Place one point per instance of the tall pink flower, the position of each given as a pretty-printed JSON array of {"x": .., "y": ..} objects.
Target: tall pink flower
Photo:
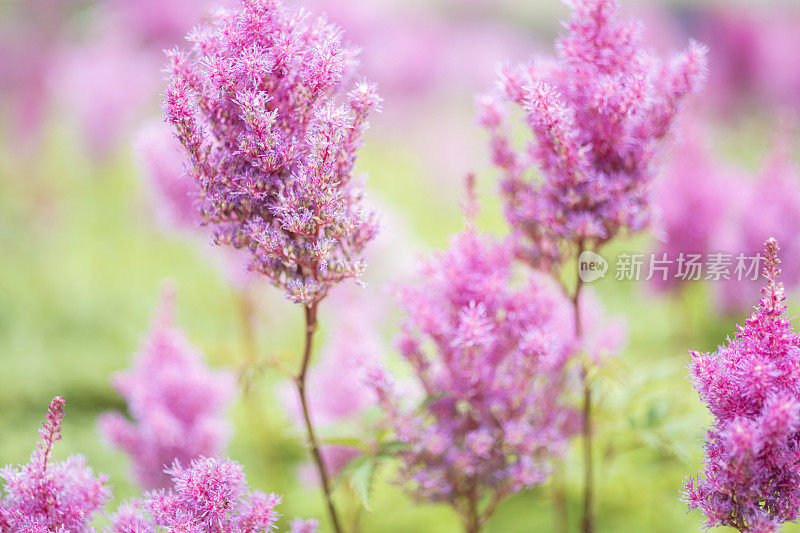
[
  {"x": 255, "y": 105},
  {"x": 751, "y": 478},
  {"x": 176, "y": 403},
  {"x": 491, "y": 359},
  {"x": 597, "y": 115},
  {"x": 44, "y": 495}
]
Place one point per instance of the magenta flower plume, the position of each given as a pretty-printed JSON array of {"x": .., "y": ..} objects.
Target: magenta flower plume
[
  {"x": 177, "y": 404},
  {"x": 44, "y": 495},
  {"x": 210, "y": 495},
  {"x": 696, "y": 198},
  {"x": 751, "y": 479},
  {"x": 257, "y": 105},
  {"x": 777, "y": 196},
  {"x": 491, "y": 361},
  {"x": 597, "y": 114}
]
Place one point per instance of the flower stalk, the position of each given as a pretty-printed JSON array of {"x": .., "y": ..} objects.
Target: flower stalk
[{"x": 300, "y": 383}]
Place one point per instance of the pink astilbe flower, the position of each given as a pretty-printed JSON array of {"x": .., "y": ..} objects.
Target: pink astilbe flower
[
  {"x": 491, "y": 359},
  {"x": 43, "y": 495},
  {"x": 750, "y": 47},
  {"x": 776, "y": 192},
  {"x": 695, "y": 198},
  {"x": 161, "y": 159},
  {"x": 103, "y": 85},
  {"x": 751, "y": 479},
  {"x": 256, "y": 104},
  {"x": 210, "y": 495},
  {"x": 597, "y": 115},
  {"x": 177, "y": 403},
  {"x": 30, "y": 36}
]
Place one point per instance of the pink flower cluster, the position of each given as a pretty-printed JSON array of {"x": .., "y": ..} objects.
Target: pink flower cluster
[
  {"x": 255, "y": 105},
  {"x": 751, "y": 479},
  {"x": 751, "y": 46},
  {"x": 177, "y": 403},
  {"x": 695, "y": 198},
  {"x": 775, "y": 191},
  {"x": 706, "y": 207},
  {"x": 491, "y": 360},
  {"x": 597, "y": 114},
  {"x": 211, "y": 495},
  {"x": 44, "y": 496}
]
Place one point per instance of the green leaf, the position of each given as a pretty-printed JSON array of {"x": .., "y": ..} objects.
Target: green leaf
[
  {"x": 362, "y": 480},
  {"x": 389, "y": 450},
  {"x": 349, "y": 442}
]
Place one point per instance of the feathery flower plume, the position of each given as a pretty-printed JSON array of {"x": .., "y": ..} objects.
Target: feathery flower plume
[
  {"x": 751, "y": 479},
  {"x": 271, "y": 138},
  {"x": 176, "y": 402},
  {"x": 775, "y": 192},
  {"x": 597, "y": 114},
  {"x": 491, "y": 360},
  {"x": 43, "y": 495},
  {"x": 210, "y": 495},
  {"x": 696, "y": 197},
  {"x": 256, "y": 105}
]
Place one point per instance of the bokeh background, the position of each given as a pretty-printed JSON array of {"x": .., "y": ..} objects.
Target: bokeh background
[{"x": 87, "y": 240}]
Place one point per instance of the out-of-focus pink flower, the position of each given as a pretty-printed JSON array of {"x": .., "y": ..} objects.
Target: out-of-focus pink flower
[
  {"x": 695, "y": 199},
  {"x": 751, "y": 54},
  {"x": 103, "y": 85},
  {"x": 161, "y": 160},
  {"x": 603, "y": 336},
  {"x": 299, "y": 525},
  {"x": 30, "y": 35},
  {"x": 177, "y": 403},
  {"x": 155, "y": 23},
  {"x": 772, "y": 209},
  {"x": 338, "y": 392}
]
